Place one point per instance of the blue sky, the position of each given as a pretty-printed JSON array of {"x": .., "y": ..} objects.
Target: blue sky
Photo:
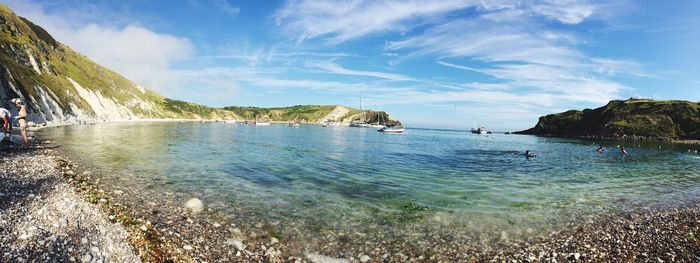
[{"x": 444, "y": 64}]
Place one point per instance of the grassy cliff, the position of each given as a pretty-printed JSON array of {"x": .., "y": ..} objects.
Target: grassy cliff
[{"x": 633, "y": 118}]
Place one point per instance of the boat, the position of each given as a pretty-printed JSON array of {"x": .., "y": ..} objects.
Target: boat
[
  {"x": 294, "y": 124},
  {"x": 386, "y": 129},
  {"x": 230, "y": 121},
  {"x": 392, "y": 130},
  {"x": 480, "y": 130},
  {"x": 262, "y": 123},
  {"x": 359, "y": 124}
]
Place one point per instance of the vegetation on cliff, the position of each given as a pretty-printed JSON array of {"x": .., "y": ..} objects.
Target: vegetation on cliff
[{"x": 632, "y": 118}]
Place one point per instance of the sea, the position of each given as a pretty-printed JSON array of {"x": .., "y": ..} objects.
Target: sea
[{"x": 321, "y": 186}]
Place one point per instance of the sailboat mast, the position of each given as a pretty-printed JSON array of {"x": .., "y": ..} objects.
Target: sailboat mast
[{"x": 361, "y": 105}]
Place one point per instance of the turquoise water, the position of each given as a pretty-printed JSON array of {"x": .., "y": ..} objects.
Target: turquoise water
[{"x": 311, "y": 182}]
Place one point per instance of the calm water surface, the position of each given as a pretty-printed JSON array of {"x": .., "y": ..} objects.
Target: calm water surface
[{"x": 312, "y": 180}]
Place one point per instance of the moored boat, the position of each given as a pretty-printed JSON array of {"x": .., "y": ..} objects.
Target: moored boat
[
  {"x": 480, "y": 130},
  {"x": 392, "y": 130}
]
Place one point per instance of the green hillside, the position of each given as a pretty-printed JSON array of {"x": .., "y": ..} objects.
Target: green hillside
[{"x": 633, "y": 119}]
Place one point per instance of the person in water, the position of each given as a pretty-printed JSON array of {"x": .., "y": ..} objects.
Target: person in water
[
  {"x": 623, "y": 151},
  {"x": 600, "y": 149},
  {"x": 22, "y": 119},
  {"x": 6, "y": 117},
  {"x": 529, "y": 154}
]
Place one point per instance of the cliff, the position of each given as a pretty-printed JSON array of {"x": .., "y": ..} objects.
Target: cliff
[
  {"x": 628, "y": 119},
  {"x": 312, "y": 114}
]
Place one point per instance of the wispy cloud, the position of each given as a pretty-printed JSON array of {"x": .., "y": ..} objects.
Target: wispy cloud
[
  {"x": 521, "y": 60},
  {"x": 228, "y": 7},
  {"x": 340, "y": 21},
  {"x": 334, "y": 68}
]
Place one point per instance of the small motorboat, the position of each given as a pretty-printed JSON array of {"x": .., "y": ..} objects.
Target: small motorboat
[
  {"x": 392, "y": 130},
  {"x": 480, "y": 130}
]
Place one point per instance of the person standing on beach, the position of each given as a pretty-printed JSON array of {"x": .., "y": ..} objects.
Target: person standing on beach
[
  {"x": 22, "y": 119},
  {"x": 6, "y": 117}
]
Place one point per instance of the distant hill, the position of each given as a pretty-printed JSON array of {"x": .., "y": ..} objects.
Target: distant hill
[
  {"x": 628, "y": 119},
  {"x": 312, "y": 114},
  {"x": 61, "y": 86}
]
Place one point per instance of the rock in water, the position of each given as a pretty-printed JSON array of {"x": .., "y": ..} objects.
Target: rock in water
[{"x": 195, "y": 205}]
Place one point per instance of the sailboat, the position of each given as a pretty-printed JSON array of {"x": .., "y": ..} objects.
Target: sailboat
[{"x": 385, "y": 129}]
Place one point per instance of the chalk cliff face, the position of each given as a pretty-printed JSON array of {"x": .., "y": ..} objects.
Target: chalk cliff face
[
  {"x": 61, "y": 86},
  {"x": 631, "y": 119}
]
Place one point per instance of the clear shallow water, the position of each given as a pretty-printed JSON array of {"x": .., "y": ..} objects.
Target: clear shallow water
[{"x": 312, "y": 182}]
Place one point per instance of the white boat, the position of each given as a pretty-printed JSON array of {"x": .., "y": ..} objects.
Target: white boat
[
  {"x": 385, "y": 129},
  {"x": 294, "y": 124},
  {"x": 480, "y": 130},
  {"x": 392, "y": 130},
  {"x": 359, "y": 124},
  {"x": 262, "y": 123},
  {"x": 230, "y": 121}
]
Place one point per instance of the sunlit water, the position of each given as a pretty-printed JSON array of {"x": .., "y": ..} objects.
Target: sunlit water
[{"x": 312, "y": 180}]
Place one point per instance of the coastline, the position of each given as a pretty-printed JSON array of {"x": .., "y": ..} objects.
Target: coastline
[
  {"x": 624, "y": 138},
  {"x": 160, "y": 232}
]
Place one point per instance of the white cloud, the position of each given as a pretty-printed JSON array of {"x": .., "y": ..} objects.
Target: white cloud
[
  {"x": 333, "y": 68},
  {"x": 522, "y": 61},
  {"x": 140, "y": 54},
  {"x": 565, "y": 11},
  {"x": 228, "y": 7},
  {"x": 340, "y": 21}
]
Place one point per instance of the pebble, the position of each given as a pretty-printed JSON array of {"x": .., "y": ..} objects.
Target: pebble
[
  {"x": 364, "y": 258},
  {"x": 195, "y": 205},
  {"x": 86, "y": 258},
  {"x": 238, "y": 244},
  {"x": 187, "y": 247}
]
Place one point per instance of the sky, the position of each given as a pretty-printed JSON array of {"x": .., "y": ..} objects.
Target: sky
[{"x": 441, "y": 64}]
